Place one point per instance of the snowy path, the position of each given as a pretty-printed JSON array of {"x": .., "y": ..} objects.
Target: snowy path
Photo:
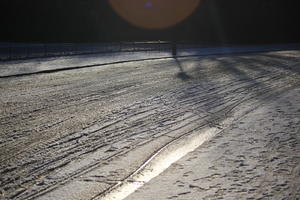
[{"x": 74, "y": 134}]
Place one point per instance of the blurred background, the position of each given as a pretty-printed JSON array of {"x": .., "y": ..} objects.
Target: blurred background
[{"x": 214, "y": 22}]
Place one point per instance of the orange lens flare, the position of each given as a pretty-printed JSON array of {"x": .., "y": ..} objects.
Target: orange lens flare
[{"x": 154, "y": 14}]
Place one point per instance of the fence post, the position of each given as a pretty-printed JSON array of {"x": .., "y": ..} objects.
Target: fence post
[
  {"x": 10, "y": 52},
  {"x": 174, "y": 49},
  {"x": 45, "y": 50},
  {"x": 27, "y": 52}
]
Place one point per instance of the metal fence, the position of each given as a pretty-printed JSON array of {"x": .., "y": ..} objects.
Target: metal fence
[{"x": 14, "y": 51}]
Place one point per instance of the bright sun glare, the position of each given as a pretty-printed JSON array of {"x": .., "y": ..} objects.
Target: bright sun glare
[{"x": 154, "y": 14}]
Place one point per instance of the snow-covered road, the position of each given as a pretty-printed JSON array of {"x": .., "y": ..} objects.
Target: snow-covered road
[
  {"x": 74, "y": 134},
  {"x": 256, "y": 157}
]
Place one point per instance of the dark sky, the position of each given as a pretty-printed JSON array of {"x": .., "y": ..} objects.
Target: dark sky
[{"x": 215, "y": 21}]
